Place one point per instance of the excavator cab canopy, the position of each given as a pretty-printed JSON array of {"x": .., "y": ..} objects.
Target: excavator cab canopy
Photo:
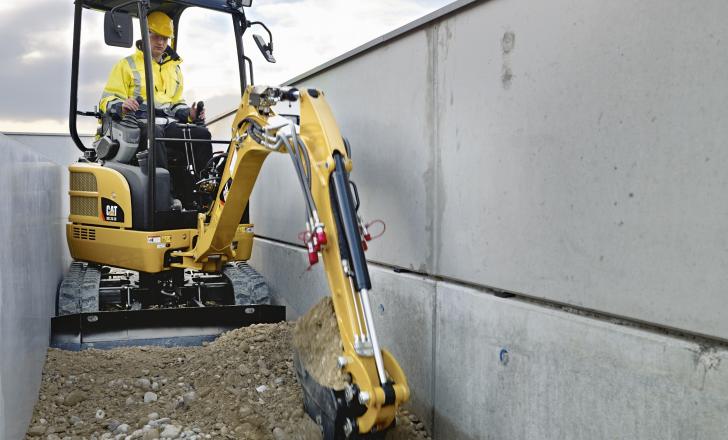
[
  {"x": 124, "y": 10},
  {"x": 173, "y": 9},
  {"x": 168, "y": 6}
]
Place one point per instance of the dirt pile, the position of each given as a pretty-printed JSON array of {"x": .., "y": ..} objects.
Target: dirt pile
[{"x": 242, "y": 386}]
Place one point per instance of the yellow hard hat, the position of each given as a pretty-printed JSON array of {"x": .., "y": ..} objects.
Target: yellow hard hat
[{"x": 160, "y": 24}]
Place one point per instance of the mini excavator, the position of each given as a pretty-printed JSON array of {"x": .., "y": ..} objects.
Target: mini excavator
[{"x": 147, "y": 271}]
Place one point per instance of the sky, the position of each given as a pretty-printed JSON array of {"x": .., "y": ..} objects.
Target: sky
[{"x": 36, "y": 50}]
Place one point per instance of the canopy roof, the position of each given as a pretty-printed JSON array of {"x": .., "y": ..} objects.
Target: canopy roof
[{"x": 171, "y": 7}]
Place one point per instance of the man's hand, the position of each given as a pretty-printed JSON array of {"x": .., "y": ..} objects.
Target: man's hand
[
  {"x": 130, "y": 105},
  {"x": 193, "y": 113}
]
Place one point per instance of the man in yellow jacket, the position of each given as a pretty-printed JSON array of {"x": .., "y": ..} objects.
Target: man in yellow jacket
[
  {"x": 127, "y": 82},
  {"x": 127, "y": 79}
]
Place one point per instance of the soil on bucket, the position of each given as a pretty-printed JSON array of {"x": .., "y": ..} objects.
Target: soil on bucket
[
  {"x": 318, "y": 343},
  {"x": 241, "y": 386}
]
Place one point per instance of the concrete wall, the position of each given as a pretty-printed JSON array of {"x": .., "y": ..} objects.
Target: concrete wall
[
  {"x": 30, "y": 268},
  {"x": 58, "y": 148},
  {"x": 483, "y": 367},
  {"x": 569, "y": 152}
]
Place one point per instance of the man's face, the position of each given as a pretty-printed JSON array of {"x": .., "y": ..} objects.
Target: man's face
[{"x": 158, "y": 43}]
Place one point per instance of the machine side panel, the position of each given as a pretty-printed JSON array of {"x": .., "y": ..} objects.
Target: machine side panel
[
  {"x": 99, "y": 196},
  {"x": 135, "y": 250}
]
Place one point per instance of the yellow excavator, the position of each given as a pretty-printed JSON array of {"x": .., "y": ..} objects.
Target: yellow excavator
[{"x": 147, "y": 270}]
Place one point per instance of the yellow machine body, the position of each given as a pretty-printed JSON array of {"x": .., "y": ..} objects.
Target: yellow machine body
[
  {"x": 92, "y": 237},
  {"x": 220, "y": 238}
]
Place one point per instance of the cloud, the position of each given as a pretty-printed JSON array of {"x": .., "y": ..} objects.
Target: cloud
[{"x": 36, "y": 73}]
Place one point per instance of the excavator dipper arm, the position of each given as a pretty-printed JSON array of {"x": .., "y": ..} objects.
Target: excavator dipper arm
[{"x": 334, "y": 231}]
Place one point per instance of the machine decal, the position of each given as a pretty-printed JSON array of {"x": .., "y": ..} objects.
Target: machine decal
[
  {"x": 225, "y": 191},
  {"x": 111, "y": 211},
  {"x": 159, "y": 242},
  {"x": 233, "y": 162}
]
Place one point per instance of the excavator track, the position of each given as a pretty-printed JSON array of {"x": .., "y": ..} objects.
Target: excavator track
[
  {"x": 249, "y": 286},
  {"x": 79, "y": 290},
  {"x": 93, "y": 310}
]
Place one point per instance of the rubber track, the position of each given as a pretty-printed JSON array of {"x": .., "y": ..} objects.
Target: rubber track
[
  {"x": 89, "y": 295},
  {"x": 249, "y": 286},
  {"x": 79, "y": 291}
]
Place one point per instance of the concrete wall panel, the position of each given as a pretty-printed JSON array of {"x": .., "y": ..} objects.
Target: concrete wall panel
[
  {"x": 404, "y": 314},
  {"x": 58, "y": 148},
  {"x": 585, "y": 167},
  {"x": 290, "y": 281},
  {"x": 30, "y": 268},
  {"x": 383, "y": 106},
  {"x": 567, "y": 376}
]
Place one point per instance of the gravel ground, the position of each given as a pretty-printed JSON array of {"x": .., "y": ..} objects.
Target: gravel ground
[{"x": 241, "y": 386}]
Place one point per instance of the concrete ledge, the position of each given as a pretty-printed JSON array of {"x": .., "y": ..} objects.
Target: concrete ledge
[{"x": 483, "y": 367}]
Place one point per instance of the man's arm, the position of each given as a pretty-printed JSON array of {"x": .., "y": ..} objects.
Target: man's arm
[{"x": 116, "y": 90}]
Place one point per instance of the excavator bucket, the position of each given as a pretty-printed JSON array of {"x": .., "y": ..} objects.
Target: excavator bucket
[{"x": 331, "y": 408}]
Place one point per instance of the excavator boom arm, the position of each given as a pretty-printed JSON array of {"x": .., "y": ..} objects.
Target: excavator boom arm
[{"x": 322, "y": 165}]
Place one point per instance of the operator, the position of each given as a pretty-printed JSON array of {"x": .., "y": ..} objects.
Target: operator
[{"x": 127, "y": 82}]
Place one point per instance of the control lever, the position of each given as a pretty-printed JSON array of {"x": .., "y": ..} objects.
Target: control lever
[
  {"x": 142, "y": 112},
  {"x": 200, "y": 107}
]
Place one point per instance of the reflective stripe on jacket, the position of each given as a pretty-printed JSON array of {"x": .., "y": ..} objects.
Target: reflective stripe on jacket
[{"x": 127, "y": 80}]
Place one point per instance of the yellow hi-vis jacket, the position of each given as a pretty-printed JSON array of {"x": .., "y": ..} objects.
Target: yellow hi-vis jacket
[{"x": 127, "y": 80}]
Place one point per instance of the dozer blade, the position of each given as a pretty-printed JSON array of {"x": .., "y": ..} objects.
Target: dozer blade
[{"x": 163, "y": 327}]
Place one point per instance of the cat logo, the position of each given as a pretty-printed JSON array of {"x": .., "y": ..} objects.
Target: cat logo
[{"x": 111, "y": 211}]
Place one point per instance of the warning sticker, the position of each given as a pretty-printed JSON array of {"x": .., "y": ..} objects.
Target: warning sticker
[{"x": 159, "y": 241}]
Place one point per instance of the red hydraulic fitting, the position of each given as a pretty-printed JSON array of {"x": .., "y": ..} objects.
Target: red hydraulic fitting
[
  {"x": 363, "y": 229},
  {"x": 312, "y": 254},
  {"x": 320, "y": 234},
  {"x": 367, "y": 235},
  {"x": 364, "y": 245}
]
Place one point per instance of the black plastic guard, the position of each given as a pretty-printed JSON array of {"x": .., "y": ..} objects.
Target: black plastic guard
[
  {"x": 164, "y": 327},
  {"x": 319, "y": 402}
]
